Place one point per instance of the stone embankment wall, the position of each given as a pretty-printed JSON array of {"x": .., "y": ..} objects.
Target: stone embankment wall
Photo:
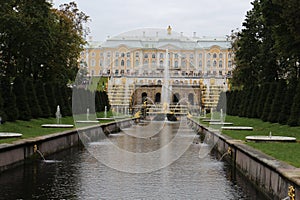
[
  {"x": 17, "y": 152},
  {"x": 274, "y": 178}
]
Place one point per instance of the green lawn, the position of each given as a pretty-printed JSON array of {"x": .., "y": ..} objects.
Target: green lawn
[
  {"x": 287, "y": 152},
  {"x": 33, "y": 127}
]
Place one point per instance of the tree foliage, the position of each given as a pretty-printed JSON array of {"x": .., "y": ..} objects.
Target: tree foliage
[
  {"x": 267, "y": 59},
  {"x": 39, "y": 43},
  {"x": 268, "y": 46}
]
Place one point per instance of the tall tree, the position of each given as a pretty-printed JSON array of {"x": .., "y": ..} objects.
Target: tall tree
[
  {"x": 2, "y": 113},
  {"x": 21, "y": 99},
  {"x": 34, "y": 106},
  {"x": 294, "y": 119},
  {"x": 247, "y": 48},
  {"x": 269, "y": 101},
  {"x": 277, "y": 102},
  {"x": 42, "y": 99},
  {"x": 9, "y": 105},
  {"x": 285, "y": 110}
]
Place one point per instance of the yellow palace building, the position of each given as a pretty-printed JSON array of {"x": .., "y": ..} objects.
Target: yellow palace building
[{"x": 135, "y": 63}]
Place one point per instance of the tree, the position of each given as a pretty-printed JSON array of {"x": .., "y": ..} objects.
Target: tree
[
  {"x": 51, "y": 97},
  {"x": 285, "y": 110},
  {"x": 2, "y": 113},
  {"x": 257, "y": 95},
  {"x": 9, "y": 105},
  {"x": 268, "y": 101},
  {"x": 42, "y": 99},
  {"x": 277, "y": 102},
  {"x": 247, "y": 48},
  {"x": 40, "y": 42},
  {"x": 294, "y": 119},
  {"x": 262, "y": 98},
  {"x": 252, "y": 101},
  {"x": 22, "y": 101},
  {"x": 32, "y": 99}
]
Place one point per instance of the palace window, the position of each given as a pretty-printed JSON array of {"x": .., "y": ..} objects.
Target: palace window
[
  {"x": 200, "y": 63},
  {"x": 122, "y": 55},
  {"x": 161, "y": 63},
  {"x": 137, "y": 63},
  {"x": 108, "y": 54},
  {"x": 214, "y": 63},
  {"x": 215, "y": 55},
  {"x": 183, "y": 63},
  {"x": 128, "y": 63},
  {"x": 146, "y": 55},
  {"x": 153, "y": 63},
  {"x": 153, "y": 55},
  {"x": 200, "y": 55},
  {"x": 229, "y": 63},
  {"x": 122, "y": 63},
  {"x": 208, "y": 56},
  {"x": 191, "y": 56},
  {"x": 208, "y": 63},
  {"x": 176, "y": 64},
  {"x": 116, "y": 62},
  {"x": 93, "y": 54},
  {"x": 137, "y": 54},
  {"x": 220, "y": 64},
  {"x": 161, "y": 55},
  {"x": 220, "y": 55},
  {"x": 176, "y": 55},
  {"x": 146, "y": 63},
  {"x": 117, "y": 54},
  {"x": 93, "y": 63},
  {"x": 128, "y": 54}
]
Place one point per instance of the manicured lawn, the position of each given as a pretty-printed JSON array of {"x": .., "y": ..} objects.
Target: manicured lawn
[
  {"x": 287, "y": 152},
  {"x": 33, "y": 127}
]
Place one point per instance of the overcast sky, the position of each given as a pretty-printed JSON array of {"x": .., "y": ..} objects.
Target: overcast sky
[{"x": 205, "y": 17}]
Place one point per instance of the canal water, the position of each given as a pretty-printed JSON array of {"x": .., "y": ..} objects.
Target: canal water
[{"x": 80, "y": 173}]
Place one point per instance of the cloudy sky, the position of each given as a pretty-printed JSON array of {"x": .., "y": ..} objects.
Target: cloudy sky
[{"x": 205, "y": 17}]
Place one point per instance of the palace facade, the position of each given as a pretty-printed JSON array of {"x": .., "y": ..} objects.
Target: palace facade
[{"x": 134, "y": 62}]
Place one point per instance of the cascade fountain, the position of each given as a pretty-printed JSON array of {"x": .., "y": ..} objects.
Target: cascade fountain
[
  {"x": 58, "y": 121},
  {"x": 165, "y": 93}
]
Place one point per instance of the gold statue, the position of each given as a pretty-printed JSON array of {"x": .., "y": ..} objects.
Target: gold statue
[{"x": 169, "y": 30}]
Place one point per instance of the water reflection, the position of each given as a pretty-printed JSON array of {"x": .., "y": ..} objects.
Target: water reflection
[{"x": 81, "y": 176}]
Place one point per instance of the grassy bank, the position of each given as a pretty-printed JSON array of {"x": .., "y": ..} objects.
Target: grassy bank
[
  {"x": 287, "y": 152},
  {"x": 33, "y": 127}
]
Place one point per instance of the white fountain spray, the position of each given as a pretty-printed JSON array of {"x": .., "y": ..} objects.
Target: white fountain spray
[
  {"x": 105, "y": 112},
  {"x": 166, "y": 86},
  {"x": 58, "y": 115},
  {"x": 87, "y": 114}
]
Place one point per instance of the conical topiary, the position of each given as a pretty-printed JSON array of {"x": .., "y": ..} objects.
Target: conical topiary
[
  {"x": 42, "y": 99},
  {"x": 32, "y": 99},
  {"x": 294, "y": 119},
  {"x": 21, "y": 99}
]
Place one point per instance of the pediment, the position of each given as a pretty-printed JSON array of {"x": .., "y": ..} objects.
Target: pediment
[{"x": 169, "y": 46}]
